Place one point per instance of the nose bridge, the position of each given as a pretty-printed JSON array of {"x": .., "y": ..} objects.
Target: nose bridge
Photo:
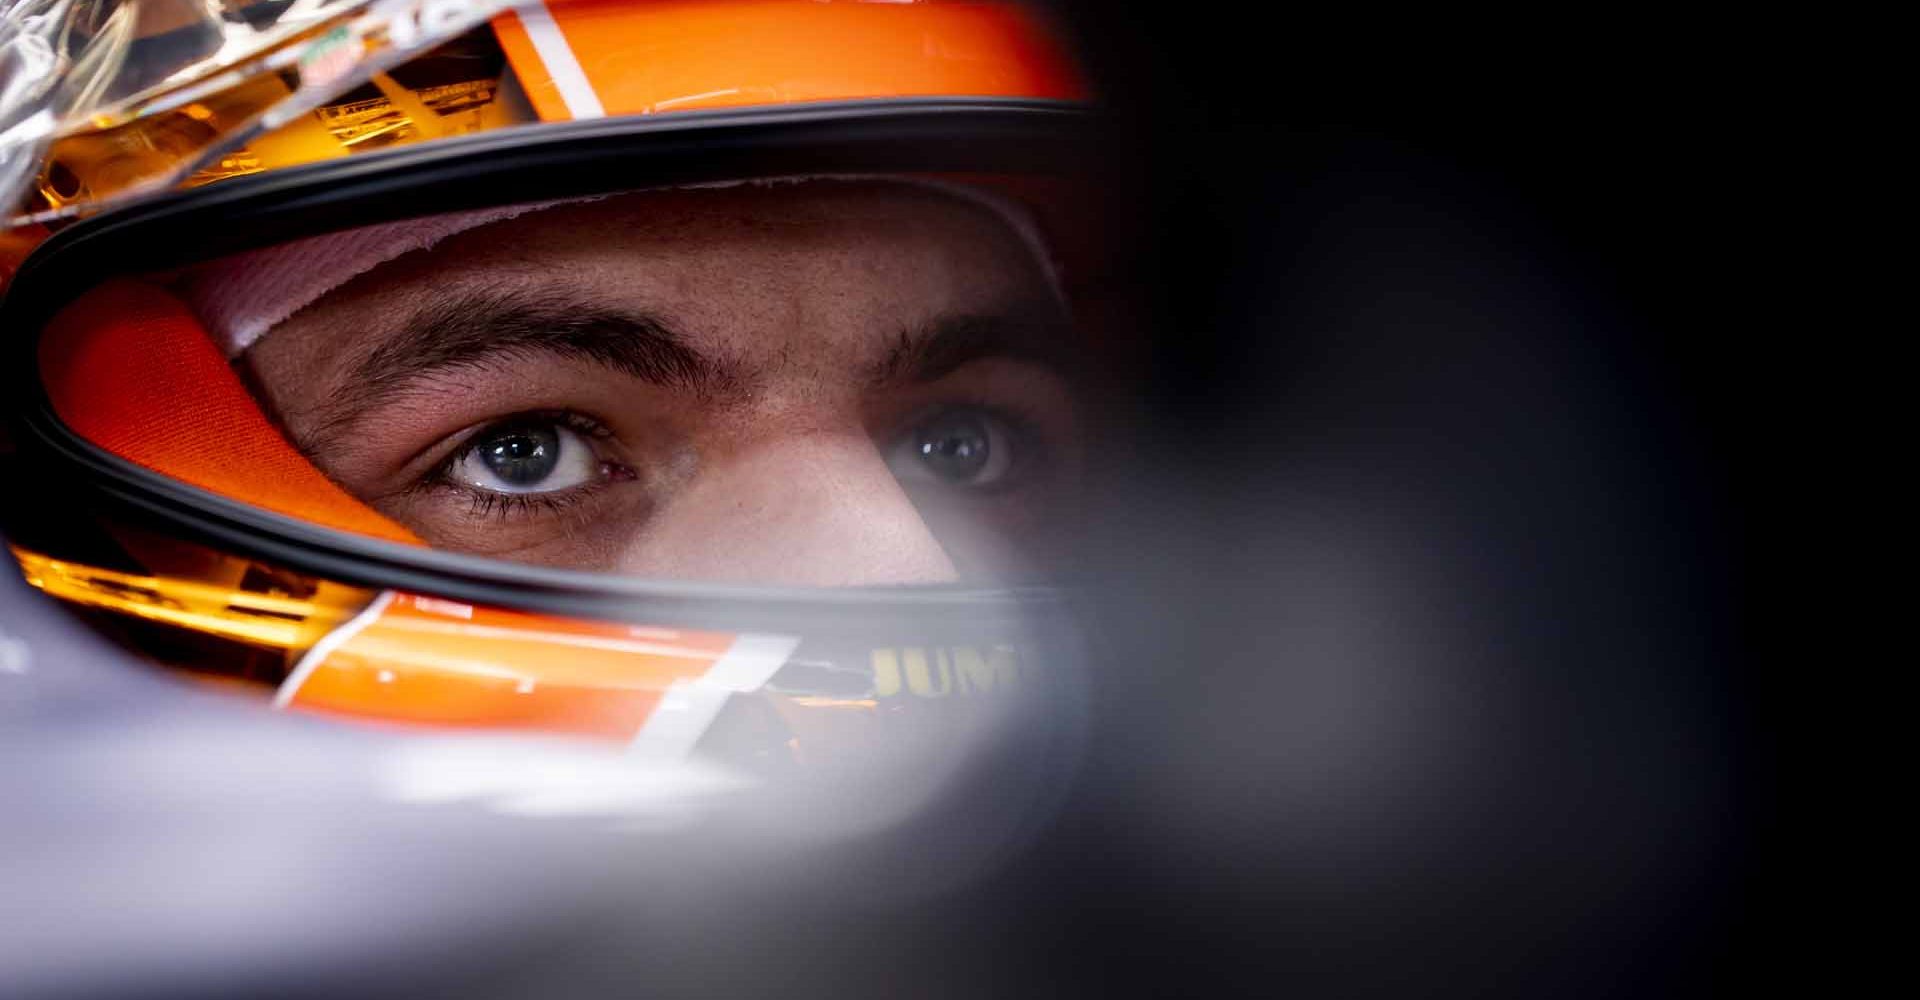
[{"x": 806, "y": 506}]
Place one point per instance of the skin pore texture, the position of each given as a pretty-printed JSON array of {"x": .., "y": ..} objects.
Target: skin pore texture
[{"x": 828, "y": 382}]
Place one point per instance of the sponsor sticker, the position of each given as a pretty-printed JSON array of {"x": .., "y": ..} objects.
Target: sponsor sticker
[{"x": 330, "y": 57}]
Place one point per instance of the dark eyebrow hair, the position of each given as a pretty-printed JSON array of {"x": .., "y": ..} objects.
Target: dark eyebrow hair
[
  {"x": 468, "y": 330},
  {"x": 1035, "y": 333}
]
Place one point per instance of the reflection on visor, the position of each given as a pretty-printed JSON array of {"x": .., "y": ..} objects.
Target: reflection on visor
[
  {"x": 427, "y": 661},
  {"x": 267, "y": 610},
  {"x": 152, "y": 96},
  {"x": 424, "y": 660},
  {"x": 401, "y": 659}
]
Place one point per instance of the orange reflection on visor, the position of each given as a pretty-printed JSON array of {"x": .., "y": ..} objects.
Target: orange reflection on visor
[{"x": 425, "y": 661}]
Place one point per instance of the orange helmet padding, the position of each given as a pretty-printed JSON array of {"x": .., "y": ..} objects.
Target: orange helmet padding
[
  {"x": 128, "y": 367},
  {"x": 678, "y": 55}
]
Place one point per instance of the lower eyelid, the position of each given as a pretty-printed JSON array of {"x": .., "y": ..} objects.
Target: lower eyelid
[
  {"x": 481, "y": 503},
  {"x": 522, "y": 504}
]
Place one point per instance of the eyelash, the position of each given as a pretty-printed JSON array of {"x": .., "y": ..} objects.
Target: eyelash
[{"x": 504, "y": 506}]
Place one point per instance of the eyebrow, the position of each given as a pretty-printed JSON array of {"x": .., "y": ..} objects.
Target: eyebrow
[
  {"x": 1036, "y": 333},
  {"x": 476, "y": 329}
]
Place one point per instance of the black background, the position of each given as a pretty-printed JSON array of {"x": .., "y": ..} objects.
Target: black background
[{"x": 1490, "y": 299}]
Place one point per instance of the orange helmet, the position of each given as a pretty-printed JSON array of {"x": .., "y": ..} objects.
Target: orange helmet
[{"x": 142, "y": 144}]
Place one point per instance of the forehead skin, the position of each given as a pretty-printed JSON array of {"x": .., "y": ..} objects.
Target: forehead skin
[{"x": 802, "y": 284}]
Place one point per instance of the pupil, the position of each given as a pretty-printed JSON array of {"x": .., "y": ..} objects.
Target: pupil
[
  {"x": 954, "y": 446},
  {"x": 523, "y": 456}
]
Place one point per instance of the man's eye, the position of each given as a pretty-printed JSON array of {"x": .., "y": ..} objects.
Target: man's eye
[
  {"x": 960, "y": 447},
  {"x": 526, "y": 458}
]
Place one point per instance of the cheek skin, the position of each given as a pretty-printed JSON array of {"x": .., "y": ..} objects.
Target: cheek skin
[{"x": 813, "y": 507}]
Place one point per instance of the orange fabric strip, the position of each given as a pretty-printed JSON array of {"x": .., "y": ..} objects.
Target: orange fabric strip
[{"x": 129, "y": 368}]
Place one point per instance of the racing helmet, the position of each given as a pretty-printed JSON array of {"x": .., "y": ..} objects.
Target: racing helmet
[{"x": 185, "y": 178}]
